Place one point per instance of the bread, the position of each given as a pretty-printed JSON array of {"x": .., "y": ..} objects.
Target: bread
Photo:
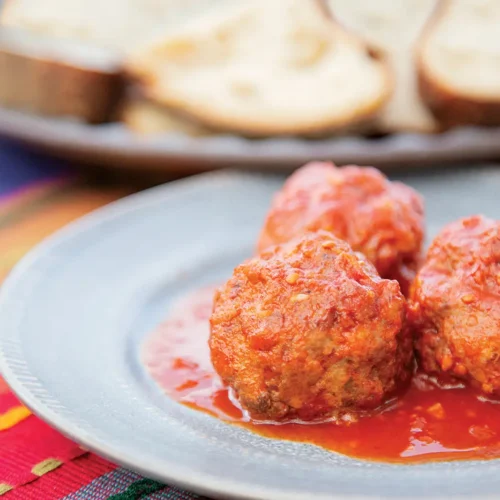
[
  {"x": 64, "y": 58},
  {"x": 458, "y": 63},
  {"x": 50, "y": 78},
  {"x": 268, "y": 67},
  {"x": 114, "y": 24},
  {"x": 143, "y": 116},
  {"x": 394, "y": 27}
]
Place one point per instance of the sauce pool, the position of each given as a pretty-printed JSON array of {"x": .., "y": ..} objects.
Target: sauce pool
[{"x": 428, "y": 423}]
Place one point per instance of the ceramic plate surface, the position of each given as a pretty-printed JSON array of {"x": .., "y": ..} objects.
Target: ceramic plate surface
[
  {"x": 114, "y": 145},
  {"x": 73, "y": 315}
]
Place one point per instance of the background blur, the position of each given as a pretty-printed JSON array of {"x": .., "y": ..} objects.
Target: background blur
[{"x": 181, "y": 86}]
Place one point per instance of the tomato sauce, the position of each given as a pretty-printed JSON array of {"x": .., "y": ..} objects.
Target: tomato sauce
[{"x": 429, "y": 422}]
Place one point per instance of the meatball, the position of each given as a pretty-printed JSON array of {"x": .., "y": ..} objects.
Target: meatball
[
  {"x": 309, "y": 331},
  {"x": 455, "y": 304},
  {"x": 384, "y": 220}
]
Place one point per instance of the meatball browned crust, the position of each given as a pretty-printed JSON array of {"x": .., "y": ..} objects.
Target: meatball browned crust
[
  {"x": 455, "y": 304},
  {"x": 308, "y": 330},
  {"x": 382, "y": 219}
]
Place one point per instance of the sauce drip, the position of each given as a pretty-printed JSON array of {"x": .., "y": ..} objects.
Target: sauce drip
[{"x": 428, "y": 423}]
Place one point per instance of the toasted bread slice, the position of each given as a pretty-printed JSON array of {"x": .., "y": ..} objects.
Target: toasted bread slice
[
  {"x": 268, "y": 67},
  {"x": 143, "y": 116},
  {"x": 393, "y": 27},
  {"x": 53, "y": 78},
  {"x": 459, "y": 63}
]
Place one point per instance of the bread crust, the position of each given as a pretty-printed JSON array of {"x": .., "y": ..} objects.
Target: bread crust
[
  {"x": 56, "y": 88},
  {"x": 450, "y": 107}
]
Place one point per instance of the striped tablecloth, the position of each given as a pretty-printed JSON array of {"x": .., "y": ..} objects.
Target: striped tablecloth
[{"x": 38, "y": 195}]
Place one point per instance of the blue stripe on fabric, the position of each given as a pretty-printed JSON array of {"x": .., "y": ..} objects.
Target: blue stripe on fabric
[
  {"x": 20, "y": 167},
  {"x": 109, "y": 484}
]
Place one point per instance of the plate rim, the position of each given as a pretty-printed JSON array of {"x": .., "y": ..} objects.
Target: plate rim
[{"x": 114, "y": 144}]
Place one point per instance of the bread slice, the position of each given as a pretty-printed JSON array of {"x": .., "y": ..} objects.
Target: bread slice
[
  {"x": 114, "y": 24},
  {"x": 394, "y": 27},
  {"x": 459, "y": 63},
  {"x": 268, "y": 67},
  {"x": 143, "y": 116},
  {"x": 64, "y": 58},
  {"x": 50, "y": 78}
]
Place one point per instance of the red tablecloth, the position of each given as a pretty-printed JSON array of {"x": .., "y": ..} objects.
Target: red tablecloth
[{"x": 38, "y": 196}]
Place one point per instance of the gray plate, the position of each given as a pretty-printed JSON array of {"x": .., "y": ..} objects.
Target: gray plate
[
  {"x": 75, "y": 311},
  {"x": 114, "y": 145}
]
